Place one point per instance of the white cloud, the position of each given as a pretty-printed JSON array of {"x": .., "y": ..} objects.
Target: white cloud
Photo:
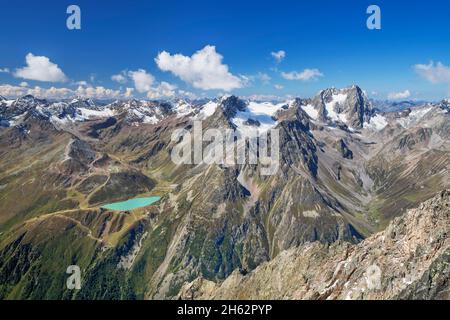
[
  {"x": 279, "y": 55},
  {"x": 24, "y": 84},
  {"x": 187, "y": 94},
  {"x": 81, "y": 83},
  {"x": 98, "y": 92},
  {"x": 278, "y": 86},
  {"x": 51, "y": 93},
  {"x": 399, "y": 95},
  {"x": 40, "y": 68},
  {"x": 143, "y": 81},
  {"x": 203, "y": 70},
  {"x": 263, "y": 77},
  {"x": 4, "y": 70},
  {"x": 120, "y": 77},
  {"x": 9, "y": 91},
  {"x": 164, "y": 90},
  {"x": 434, "y": 73},
  {"x": 305, "y": 75}
]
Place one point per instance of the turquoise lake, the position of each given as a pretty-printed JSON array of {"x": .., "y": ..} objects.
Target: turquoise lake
[{"x": 131, "y": 204}]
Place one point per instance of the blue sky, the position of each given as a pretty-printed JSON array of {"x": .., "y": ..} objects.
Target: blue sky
[{"x": 326, "y": 43}]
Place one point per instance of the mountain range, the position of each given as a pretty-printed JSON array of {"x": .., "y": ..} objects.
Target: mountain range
[{"x": 355, "y": 186}]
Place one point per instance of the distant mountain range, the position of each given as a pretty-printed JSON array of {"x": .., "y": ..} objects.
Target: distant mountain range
[
  {"x": 393, "y": 106},
  {"x": 350, "y": 169}
]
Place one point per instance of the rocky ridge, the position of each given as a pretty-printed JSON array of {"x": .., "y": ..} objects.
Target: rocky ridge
[{"x": 410, "y": 259}]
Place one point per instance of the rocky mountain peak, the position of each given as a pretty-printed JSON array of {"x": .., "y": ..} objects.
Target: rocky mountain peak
[
  {"x": 350, "y": 106},
  {"x": 445, "y": 105},
  {"x": 29, "y": 99},
  {"x": 231, "y": 105},
  {"x": 83, "y": 103}
]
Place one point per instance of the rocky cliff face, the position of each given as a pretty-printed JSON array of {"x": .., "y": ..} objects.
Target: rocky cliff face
[
  {"x": 410, "y": 259},
  {"x": 350, "y": 106}
]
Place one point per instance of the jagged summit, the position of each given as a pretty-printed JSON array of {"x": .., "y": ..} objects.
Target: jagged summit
[
  {"x": 350, "y": 106},
  {"x": 80, "y": 102},
  {"x": 231, "y": 105}
]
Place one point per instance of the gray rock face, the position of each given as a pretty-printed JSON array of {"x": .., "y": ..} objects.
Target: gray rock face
[
  {"x": 20, "y": 106},
  {"x": 409, "y": 260},
  {"x": 343, "y": 149},
  {"x": 350, "y": 103},
  {"x": 81, "y": 151},
  {"x": 231, "y": 105}
]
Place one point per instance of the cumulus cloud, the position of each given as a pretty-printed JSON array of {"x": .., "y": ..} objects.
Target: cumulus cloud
[
  {"x": 9, "y": 91},
  {"x": 278, "y": 55},
  {"x": 98, "y": 92},
  {"x": 23, "y": 84},
  {"x": 203, "y": 70},
  {"x": 399, "y": 95},
  {"x": 260, "y": 76},
  {"x": 4, "y": 70},
  {"x": 143, "y": 81},
  {"x": 186, "y": 94},
  {"x": 163, "y": 90},
  {"x": 278, "y": 86},
  {"x": 50, "y": 93},
  {"x": 434, "y": 72},
  {"x": 120, "y": 77},
  {"x": 305, "y": 75},
  {"x": 40, "y": 68}
]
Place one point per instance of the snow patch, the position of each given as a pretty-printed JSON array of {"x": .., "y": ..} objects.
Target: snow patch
[
  {"x": 311, "y": 111},
  {"x": 89, "y": 113},
  {"x": 330, "y": 107},
  {"x": 311, "y": 214},
  {"x": 207, "y": 110},
  {"x": 151, "y": 120},
  {"x": 183, "y": 108},
  {"x": 378, "y": 122},
  {"x": 414, "y": 116},
  {"x": 261, "y": 112}
]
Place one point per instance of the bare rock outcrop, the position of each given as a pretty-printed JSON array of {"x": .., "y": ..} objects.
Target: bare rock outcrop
[{"x": 408, "y": 260}]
